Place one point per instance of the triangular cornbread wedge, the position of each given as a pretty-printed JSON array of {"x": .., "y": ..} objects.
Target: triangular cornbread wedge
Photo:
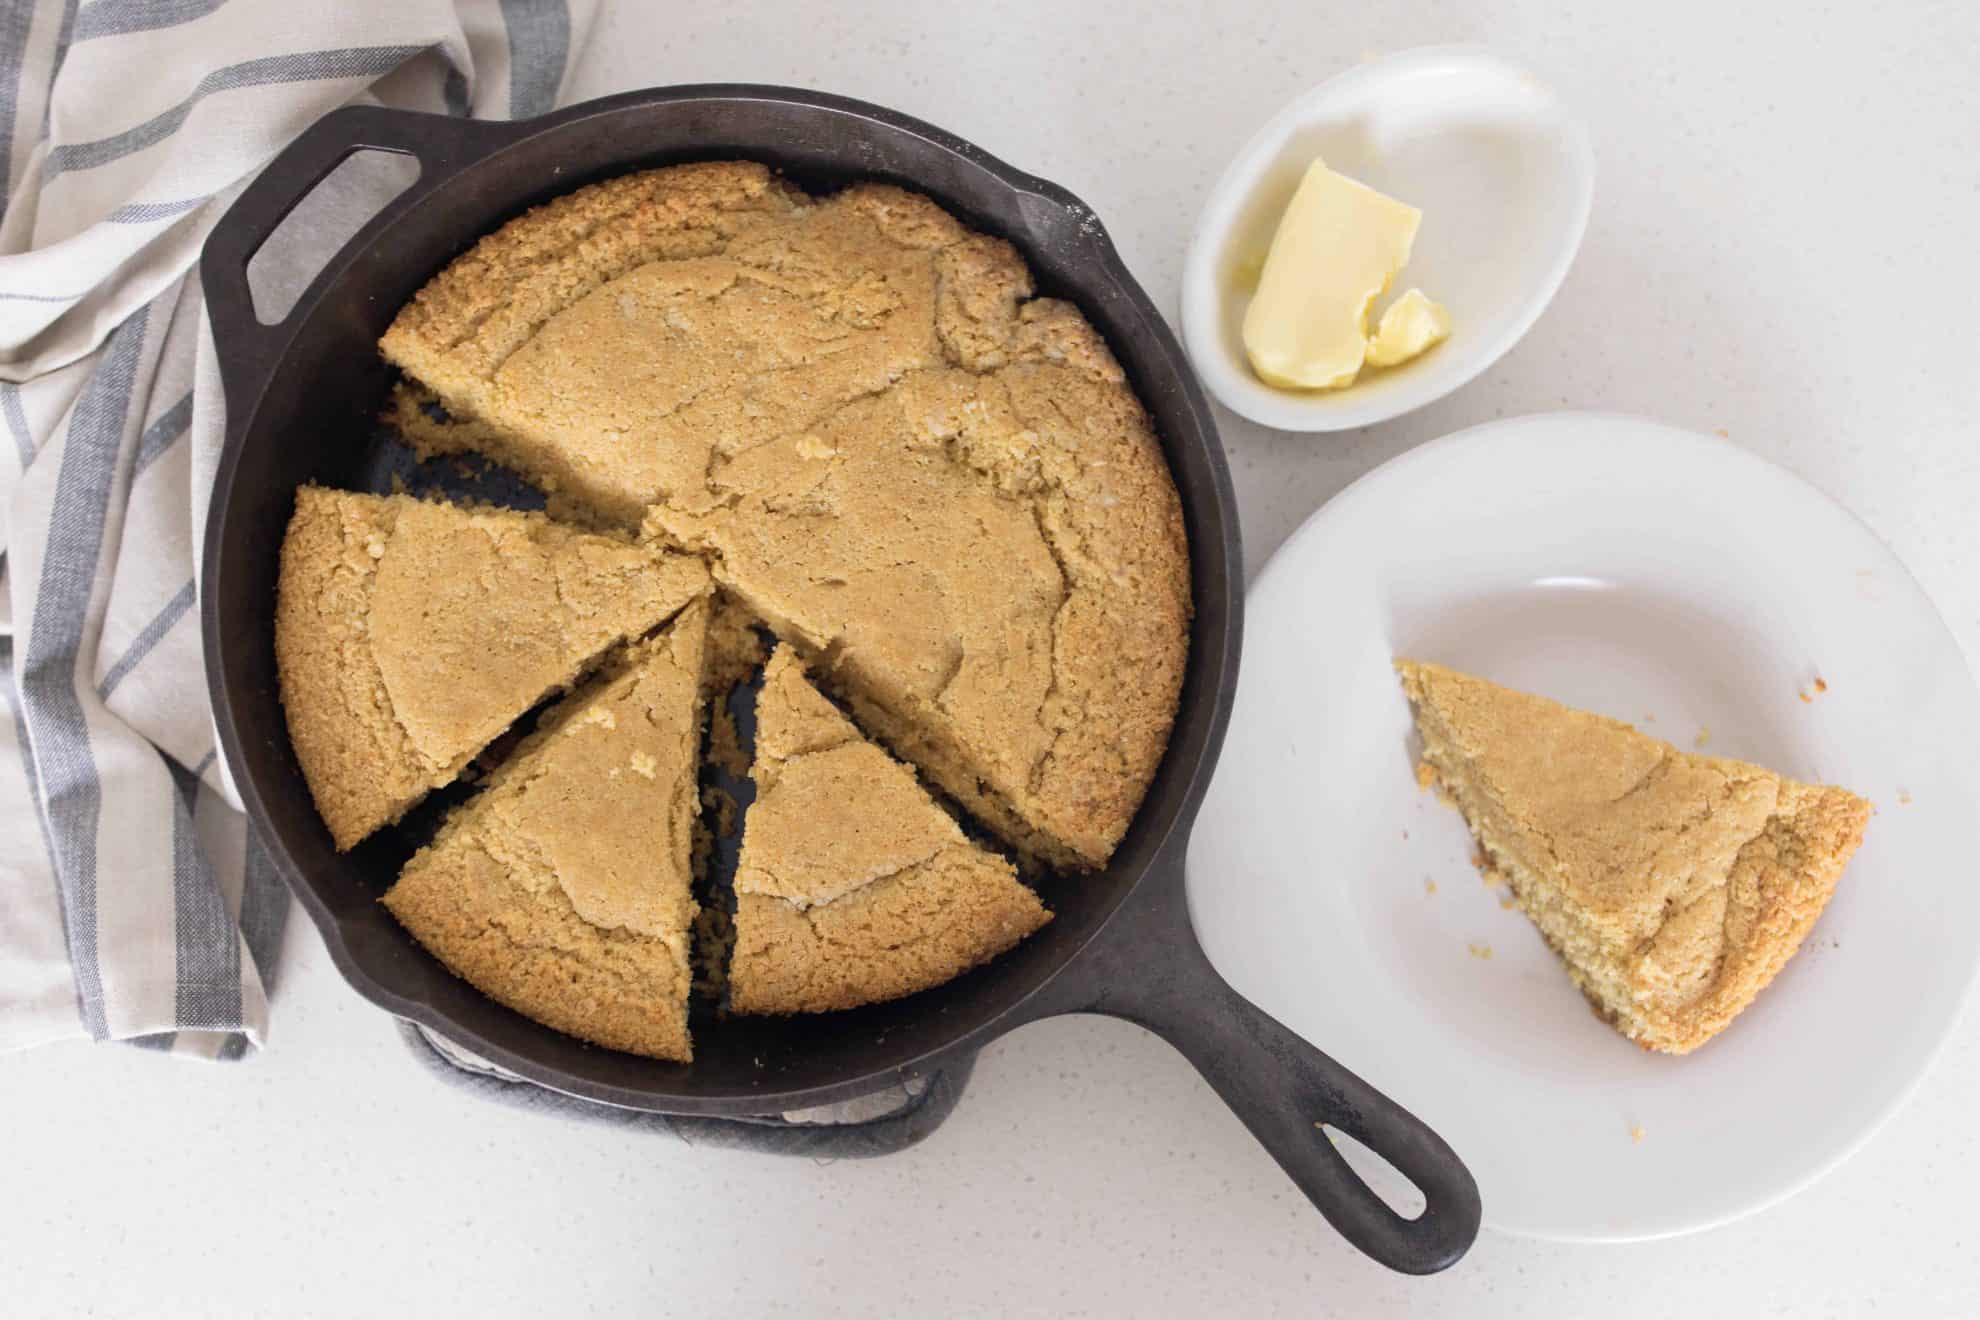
[
  {"x": 1673, "y": 886},
  {"x": 853, "y": 885},
  {"x": 564, "y": 888},
  {"x": 409, "y": 634}
]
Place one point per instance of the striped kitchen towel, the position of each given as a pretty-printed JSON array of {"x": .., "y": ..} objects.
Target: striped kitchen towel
[{"x": 134, "y": 903}]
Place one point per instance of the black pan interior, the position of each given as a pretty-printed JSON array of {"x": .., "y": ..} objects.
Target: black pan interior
[{"x": 315, "y": 420}]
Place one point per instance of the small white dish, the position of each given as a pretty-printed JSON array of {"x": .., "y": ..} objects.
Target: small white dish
[
  {"x": 1503, "y": 174},
  {"x": 1646, "y": 573}
]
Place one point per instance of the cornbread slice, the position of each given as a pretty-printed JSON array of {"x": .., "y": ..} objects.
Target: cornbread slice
[
  {"x": 1673, "y": 886},
  {"x": 854, "y": 886},
  {"x": 563, "y": 888},
  {"x": 408, "y": 635},
  {"x": 901, "y": 459}
]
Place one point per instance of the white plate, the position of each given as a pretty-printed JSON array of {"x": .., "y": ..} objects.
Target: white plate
[
  {"x": 1640, "y": 571},
  {"x": 1503, "y": 174}
]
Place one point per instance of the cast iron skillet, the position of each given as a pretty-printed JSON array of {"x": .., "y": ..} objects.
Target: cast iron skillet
[{"x": 301, "y": 396}]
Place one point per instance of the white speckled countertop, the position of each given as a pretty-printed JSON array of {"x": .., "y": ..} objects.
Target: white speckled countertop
[{"x": 1782, "y": 247}]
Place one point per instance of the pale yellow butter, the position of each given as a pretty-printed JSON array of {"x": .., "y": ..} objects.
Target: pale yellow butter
[
  {"x": 1337, "y": 247},
  {"x": 1411, "y": 324}
]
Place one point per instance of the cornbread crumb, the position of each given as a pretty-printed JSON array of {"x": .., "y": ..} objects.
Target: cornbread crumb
[
  {"x": 1429, "y": 885},
  {"x": 719, "y": 803},
  {"x": 1483, "y": 951},
  {"x": 1703, "y": 736},
  {"x": 714, "y": 940},
  {"x": 1636, "y": 1133},
  {"x": 1673, "y": 886}
]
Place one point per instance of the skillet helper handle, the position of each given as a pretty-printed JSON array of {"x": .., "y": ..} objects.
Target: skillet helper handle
[
  {"x": 1147, "y": 967},
  {"x": 248, "y": 347}
]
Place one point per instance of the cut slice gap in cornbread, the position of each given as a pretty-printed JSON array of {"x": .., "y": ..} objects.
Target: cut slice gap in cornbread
[
  {"x": 564, "y": 888},
  {"x": 408, "y": 635},
  {"x": 854, "y": 886},
  {"x": 1673, "y": 886},
  {"x": 738, "y": 646}
]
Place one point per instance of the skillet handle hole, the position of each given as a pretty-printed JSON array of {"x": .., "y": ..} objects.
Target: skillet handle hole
[
  {"x": 321, "y": 223},
  {"x": 1383, "y": 1178}
]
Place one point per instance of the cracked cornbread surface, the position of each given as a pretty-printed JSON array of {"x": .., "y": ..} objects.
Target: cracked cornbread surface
[
  {"x": 1673, "y": 886},
  {"x": 854, "y": 886},
  {"x": 891, "y": 452},
  {"x": 409, "y": 635},
  {"x": 563, "y": 889}
]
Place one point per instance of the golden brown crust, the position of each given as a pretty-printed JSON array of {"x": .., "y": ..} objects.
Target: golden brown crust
[
  {"x": 564, "y": 888},
  {"x": 384, "y": 603},
  {"x": 488, "y": 302},
  {"x": 1674, "y": 886},
  {"x": 854, "y": 886},
  {"x": 702, "y": 339}
]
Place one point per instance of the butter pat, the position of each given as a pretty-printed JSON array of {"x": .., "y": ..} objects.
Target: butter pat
[
  {"x": 1411, "y": 324},
  {"x": 1337, "y": 247}
]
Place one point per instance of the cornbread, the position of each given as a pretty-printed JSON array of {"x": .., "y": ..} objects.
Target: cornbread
[
  {"x": 854, "y": 886},
  {"x": 408, "y": 635},
  {"x": 563, "y": 888},
  {"x": 909, "y": 467},
  {"x": 1673, "y": 886}
]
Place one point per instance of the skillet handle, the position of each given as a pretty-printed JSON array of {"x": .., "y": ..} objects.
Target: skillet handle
[
  {"x": 247, "y": 347},
  {"x": 1147, "y": 967}
]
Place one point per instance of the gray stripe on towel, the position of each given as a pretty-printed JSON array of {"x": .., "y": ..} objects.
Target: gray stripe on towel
[
  {"x": 17, "y": 422},
  {"x": 207, "y": 947},
  {"x": 141, "y": 645},
  {"x": 174, "y": 422},
  {"x": 539, "y": 45},
  {"x": 304, "y": 66},
  {"x": 117, "y": 18},
  {"x": 70, "y": 789}
]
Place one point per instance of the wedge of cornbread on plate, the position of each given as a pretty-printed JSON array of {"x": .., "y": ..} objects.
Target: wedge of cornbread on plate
[
  {"x": 1673, "y": 886},
  {"x": 564, "y": 888},
  {"x": 408, "y": 635},
  {"x": 854, "y": 886}
]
